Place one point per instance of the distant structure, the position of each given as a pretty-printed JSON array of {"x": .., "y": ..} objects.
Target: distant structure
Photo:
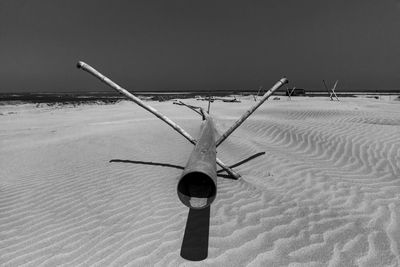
[
  {"x": 331, "y": 92},
  {"x": 289, "y": 92},
  {"x": 260, "y": 89}
]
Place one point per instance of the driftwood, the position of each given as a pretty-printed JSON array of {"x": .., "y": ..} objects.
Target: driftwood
[
  {"x": 197, "y": 186},
  {"x": 251, "y": 110},
  {"x": 331, "y": 92},
  {"x": 152, "y": 110}
]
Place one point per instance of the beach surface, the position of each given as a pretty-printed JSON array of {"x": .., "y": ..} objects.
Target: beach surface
[{"x": 326, "y": 193}]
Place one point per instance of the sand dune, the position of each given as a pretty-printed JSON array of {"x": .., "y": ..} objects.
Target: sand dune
[{"x": 326, "y": 193}]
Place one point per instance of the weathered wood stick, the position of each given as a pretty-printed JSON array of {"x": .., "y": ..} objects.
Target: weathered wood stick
[
  {"x": 333, "y": 90},
  {"x": 291, "y": 92},
  {"x": 251, "y": 110},
  {"x": 135, "y": 99},
  {"x": 329, "y": 92},
  {"x": 176, "y": 127}
]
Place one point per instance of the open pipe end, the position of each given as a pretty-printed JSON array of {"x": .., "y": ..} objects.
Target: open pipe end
[
  {"x": 80, "y": 64},
  {"x": 197, "y": 190},
  {"x": 284, "y": 80}
]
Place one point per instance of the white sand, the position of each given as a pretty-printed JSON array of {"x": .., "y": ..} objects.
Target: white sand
[{"x": 327, "y": 192}]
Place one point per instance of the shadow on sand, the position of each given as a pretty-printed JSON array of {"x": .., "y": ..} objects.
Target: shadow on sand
[
  {"x": 195, "y": 241},
  {"x": 148, "y": 163},
  {"x": 182, "y": 168}
]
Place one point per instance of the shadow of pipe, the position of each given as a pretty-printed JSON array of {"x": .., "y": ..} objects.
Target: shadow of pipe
[
  {"x": 195, "y": 240},
  {"x": 148, "y": 163}
]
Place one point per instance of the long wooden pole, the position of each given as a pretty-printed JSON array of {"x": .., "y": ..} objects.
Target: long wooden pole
[
  {"x": 251, "y": 110},
  {"x": 176, "y": 127}
]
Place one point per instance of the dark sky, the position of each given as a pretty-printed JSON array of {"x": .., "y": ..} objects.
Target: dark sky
[{"x": 170, "y": 45}]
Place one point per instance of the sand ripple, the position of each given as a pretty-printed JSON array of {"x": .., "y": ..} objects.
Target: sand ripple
[{"x": 326, "y": 193}]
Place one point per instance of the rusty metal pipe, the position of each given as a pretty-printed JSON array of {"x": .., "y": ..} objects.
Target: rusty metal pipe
[{"x": 197, "y": 187}]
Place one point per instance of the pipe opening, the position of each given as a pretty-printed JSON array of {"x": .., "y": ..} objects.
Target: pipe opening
[{"x": 196, "y": 190}]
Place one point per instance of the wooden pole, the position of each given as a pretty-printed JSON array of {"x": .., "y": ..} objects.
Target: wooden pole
[
  {"x": 329, "y": 92},
  {"x": 251, "y": 110},
  {"x": 290, "y": 92},
  {"x": 259, "y": 90},
  {"x": 176, "y": 127},
  {"x": 333, "y": 90}
]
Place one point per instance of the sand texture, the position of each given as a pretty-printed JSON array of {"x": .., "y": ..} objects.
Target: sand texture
[{"x": 326, "y": 193}]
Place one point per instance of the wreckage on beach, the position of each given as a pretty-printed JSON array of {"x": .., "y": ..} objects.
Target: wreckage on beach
[{"x": 197, "y": 186}]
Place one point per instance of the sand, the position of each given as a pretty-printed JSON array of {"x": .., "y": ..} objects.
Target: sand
[{"x": 326, "y": 193}]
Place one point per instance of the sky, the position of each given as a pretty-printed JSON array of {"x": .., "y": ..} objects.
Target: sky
[{"x": 199, "y": 45}]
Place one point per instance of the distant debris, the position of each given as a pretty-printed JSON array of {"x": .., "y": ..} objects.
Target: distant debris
[
  {"x": 260, "y": 89},
  {"x": 208, "y": 98},
  {"x": 289, "y": 92},
  {"x": 331, "y": 92},
  {"x": 233, "y": 100},
  {"x": 212, "y": 99},
  {"x": 61, "y": 98},
  {"x": 160, "y": 98},
  {"x": 295, "y": 92}
]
